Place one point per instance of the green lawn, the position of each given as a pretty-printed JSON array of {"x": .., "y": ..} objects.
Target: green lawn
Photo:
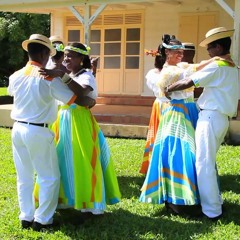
[
  {"x": 130, "y": 219},
  {"x": 3, "y": 91}
]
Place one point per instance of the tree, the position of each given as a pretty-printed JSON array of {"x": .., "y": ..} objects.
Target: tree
[{"x": 15, "y": 28}]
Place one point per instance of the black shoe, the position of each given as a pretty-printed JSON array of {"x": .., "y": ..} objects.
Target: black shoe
[
  {"x": 36, "y": 226},
  {"x": 26, "y": 224},
  {"x": 215, "y": 219},
  {"x": 172, "y": 208}
]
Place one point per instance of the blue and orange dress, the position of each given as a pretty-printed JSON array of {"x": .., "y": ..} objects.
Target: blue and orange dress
[
  {"x": 171, "y": 176},
  {"x": 152, "y": 77}
]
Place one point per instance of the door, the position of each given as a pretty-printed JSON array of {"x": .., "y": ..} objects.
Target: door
[
  {"x": 193, "y": 28},
  {"x": 119, "y": 63}
]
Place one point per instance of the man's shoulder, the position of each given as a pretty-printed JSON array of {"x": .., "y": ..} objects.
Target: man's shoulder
[
  {"x": 17, "y": 73},
  {"x": 225, "y": 63}
]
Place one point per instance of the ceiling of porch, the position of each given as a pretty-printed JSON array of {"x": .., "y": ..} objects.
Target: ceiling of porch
[{"x": 46, "y": 6}]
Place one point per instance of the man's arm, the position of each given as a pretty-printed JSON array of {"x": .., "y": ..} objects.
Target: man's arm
[{"x": 177, "y": 86}]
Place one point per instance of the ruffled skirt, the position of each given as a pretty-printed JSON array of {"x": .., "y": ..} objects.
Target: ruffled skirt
[
  {"x": 171, "y": 175},
  {"x": 88, "y": 179},
  {"x": 151, "y": 135}
]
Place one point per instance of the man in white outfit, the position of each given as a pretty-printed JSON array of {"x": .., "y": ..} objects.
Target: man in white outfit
[
  {"x": 217, "y": 104},
  {"x": 35, "y": 107}
]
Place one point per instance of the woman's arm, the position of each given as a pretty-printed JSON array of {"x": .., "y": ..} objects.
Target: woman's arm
[
  {"x": 73, "y": 85},
  {"x": 204, "y": 63},
  {"x": 85, "y": 101}
]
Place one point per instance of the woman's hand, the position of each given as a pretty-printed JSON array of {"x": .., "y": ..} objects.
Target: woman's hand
[{"x": 51, "y": 72}]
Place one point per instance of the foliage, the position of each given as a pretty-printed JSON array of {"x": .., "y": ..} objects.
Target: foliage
[
  {"x": 15, "y": 28},
  {"x": 130, "y": 219}
]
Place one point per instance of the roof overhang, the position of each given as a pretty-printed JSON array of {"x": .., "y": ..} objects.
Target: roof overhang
[{"x": 47, "y": 6}]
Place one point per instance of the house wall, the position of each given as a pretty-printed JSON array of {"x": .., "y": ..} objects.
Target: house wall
[
  {"x": 57, "y": 23},
  {"x": 160, "y": 18},
  {"x": 165, "y": 19}
]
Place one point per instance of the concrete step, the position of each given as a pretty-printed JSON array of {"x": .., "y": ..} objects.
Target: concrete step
[
  {"x": 123, "y": 124},
  {"x": 122, "y": 114},
  {"x": 126, "y": 100}
]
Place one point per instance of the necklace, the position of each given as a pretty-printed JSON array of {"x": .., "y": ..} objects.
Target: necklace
[{"x": 77, "y": 73}]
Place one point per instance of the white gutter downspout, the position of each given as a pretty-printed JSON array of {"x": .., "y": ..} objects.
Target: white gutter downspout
[{"x": 236, "y": 39}]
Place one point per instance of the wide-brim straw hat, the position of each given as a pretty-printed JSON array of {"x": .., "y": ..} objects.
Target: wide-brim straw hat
[
  {"x": 41, "y": 39},
  {"x": 215, "y": 34},
  {"x": 56, "y": 39},
  {"x": 188, "y": 46}
]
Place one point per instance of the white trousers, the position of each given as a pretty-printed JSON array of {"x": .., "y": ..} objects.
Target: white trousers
[
  {"x": 211, "y": 129},
  {"x": 34, "y": 151}
]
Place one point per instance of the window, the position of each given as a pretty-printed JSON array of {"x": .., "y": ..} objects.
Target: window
[
  {"x": 132, "y": 48},
  {"x": 112, "y": 48},
  {"x": 73, "y": 35}
]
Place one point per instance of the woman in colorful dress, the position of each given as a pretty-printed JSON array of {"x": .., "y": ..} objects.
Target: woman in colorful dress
[
  {"x": 171, "y": 176},
  {"x": 88, "y": 179},
  {"x": 152, "y": 76}
]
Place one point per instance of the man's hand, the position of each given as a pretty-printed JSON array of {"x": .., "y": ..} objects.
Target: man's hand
[
  {"x": 92, "y": 104},
  {"x": 51, "y": 72},
  {"x": 166, "y": 93}
]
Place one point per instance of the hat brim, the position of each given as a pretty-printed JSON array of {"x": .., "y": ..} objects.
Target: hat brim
[
  {"x": 215, "y": 37},
  {"x": 26, "y": 42},
  {"x": 189, "y": 49}
]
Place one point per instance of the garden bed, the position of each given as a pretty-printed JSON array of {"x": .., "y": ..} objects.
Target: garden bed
[{"x": 6, "y": 100}]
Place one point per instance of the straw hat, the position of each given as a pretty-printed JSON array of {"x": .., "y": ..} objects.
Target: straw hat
[
  {"x": 56, "y": 39},
  {"x": 188, "y": 46},
  {"x": 41, "y": 39},
  {"x": 215, "y": 34}
]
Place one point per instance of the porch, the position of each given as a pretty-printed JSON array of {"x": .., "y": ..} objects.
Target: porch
[
  {"x": 117, "y": 116},
  {"x": 124, "y": 116}
]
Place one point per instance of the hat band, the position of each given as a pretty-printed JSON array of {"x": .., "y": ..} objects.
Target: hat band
[
  {"x": 173, "y": 46},
  {"x": 78, "y": 50},
  {"x": 59, "y": 47},
  {"x": 189, "y": 48},
  {"x": 37, "y": 39}
]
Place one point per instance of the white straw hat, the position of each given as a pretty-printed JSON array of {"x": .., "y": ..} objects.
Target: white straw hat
[
  {"x": 188, "y": 46},
  {"x": 56, "y": 39},
  {"x": 215, "y": 34},
  {"x": 41, "y": 39}
]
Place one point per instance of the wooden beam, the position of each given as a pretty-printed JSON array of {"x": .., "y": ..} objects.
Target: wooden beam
[
  {"x": 17, "y": 5},
  {"x": 76, "y": 14},
  {"x": 224, "y": 5},
  {"x": 96, "y": 13},
  {"x": 86, "y": 25}
]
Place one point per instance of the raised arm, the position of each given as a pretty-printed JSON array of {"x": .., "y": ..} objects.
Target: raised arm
[{"x": 74, "y": 86}]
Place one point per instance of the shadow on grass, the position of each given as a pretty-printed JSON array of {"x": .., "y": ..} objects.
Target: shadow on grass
[
  {"x": 230, "y": 213},
  {"x": 122, "y": 224},
  {"x": 230, "y": 183},
  {"x": 130, "y": 186}
]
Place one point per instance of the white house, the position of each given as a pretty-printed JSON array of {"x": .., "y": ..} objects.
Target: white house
[{"x": 118, "y": 31}]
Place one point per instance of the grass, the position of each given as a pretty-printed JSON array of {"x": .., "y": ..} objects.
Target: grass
[
  {"x": 3, "y": 91},
  {"x": 130, "y": 219}
]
